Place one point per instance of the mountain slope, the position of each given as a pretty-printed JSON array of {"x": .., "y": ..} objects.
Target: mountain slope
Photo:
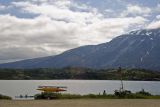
[{"x": 137, "y": 49}]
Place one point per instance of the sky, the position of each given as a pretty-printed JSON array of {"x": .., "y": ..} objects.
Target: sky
[{"x": 38, "y": 28}]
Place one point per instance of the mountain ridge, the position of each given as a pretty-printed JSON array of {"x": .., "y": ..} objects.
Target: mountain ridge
[{"x": 137, "y": 49}]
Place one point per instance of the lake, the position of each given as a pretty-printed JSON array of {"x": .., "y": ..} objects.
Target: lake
[{"x": 16, "y": 87}]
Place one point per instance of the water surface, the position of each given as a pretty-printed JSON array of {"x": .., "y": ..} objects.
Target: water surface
[{"x": 16, "y": 87}]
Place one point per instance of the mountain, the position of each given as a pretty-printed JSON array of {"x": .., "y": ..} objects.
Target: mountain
[{"x": 137, "y": 49}]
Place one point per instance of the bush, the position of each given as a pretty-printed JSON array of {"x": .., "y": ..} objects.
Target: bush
[
  {"x": 5, "y": 97},
  {"x": 122, "y": 94},
  {"x": 143, "y": 92},
  {"x": 47, "y": 95},
  {"x": 70, "y": 96}
]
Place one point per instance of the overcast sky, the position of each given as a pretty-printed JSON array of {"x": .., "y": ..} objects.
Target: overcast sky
[{"x": 37, "y": 28}]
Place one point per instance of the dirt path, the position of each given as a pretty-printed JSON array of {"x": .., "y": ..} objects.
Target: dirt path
[{"x": 83, "y": 103}]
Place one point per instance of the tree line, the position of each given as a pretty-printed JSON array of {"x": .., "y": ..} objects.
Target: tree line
[{"x": 78, "y": 73}]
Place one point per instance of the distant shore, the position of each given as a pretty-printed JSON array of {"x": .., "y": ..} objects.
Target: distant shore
[
  {"x": 79, "y": 74},
  {"x": 82, "y": 103}
]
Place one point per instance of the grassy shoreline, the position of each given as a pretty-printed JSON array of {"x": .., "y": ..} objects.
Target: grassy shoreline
[
  {"x": 93, "y": 96},
  {"x": 118, "y": 94}
]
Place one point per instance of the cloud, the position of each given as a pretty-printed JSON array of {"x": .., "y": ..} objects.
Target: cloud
[
  {"x": 59, "y": 10},
  {"x": 59, "y": 26},
  {"x": 2, "y": 7},
  {"x": 154, "y": 24},
  {"x": 34, "y": 32},
  {"x": 158, "y": 17},
  {"x": 158, "y": 8},
  {"x": 136, "y": 10}
]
